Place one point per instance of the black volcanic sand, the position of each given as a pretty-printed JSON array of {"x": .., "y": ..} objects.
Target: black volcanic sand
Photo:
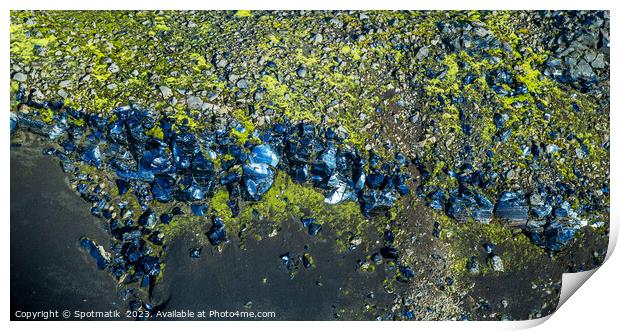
[
  {"x": 254, "y": 279},
  {"x": 50, "y": 271},
  {"x": 48, "y": 268}
]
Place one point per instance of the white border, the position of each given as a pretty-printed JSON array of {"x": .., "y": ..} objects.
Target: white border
[{"x": 595, "y": 306}]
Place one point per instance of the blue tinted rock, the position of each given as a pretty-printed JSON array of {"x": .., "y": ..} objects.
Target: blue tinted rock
[
  {"x": 148, "y": 219},
  {"x": 389, "y": 253},
  {"x": 142, "y": 175},
  {"x": 198, "y": 209},
  {"x": 373, "y": 200},
  {"x": 307, "y": 130},
  {"x": 358, "y": 176},
  {"x": 437, "y": 199},
  {"x": 560, "y": 213},
  {"x": 196, "y": 192},
  {"x": 107, "y": 214},
  {"x": 234, "y": 207},
  {"x": 195, "y": 252},
  {"x": 314, "y": 228},
  {"x": 230, "y": 178},
  {"x": 150, "y": 265},
  {"x": 513, "y": 207},
  {"x": 162, "y": 188},
  {"x": 279, "y": 128},
  {"x": 286, "y": 260},
  {"x": 264, "y": 154},
  {"x": 469, "y": 78},
  {"x": 135, "y": 129},
  {"x": 483, "y": 212},
  {"x": 405, "y": 273},
  {"x": 132, "y": 235},
  {"x": 184, "y": 149},
  {"x": 542, "y": 211},
  {"x": 341, "y": 193},
  {"x": 216, "y": 234},
  {"x": 401, "y": 185},
  {"x": 82, "y": 188},
  {"x": 96, "y": 252},
  {"x": 257, "y": 179},
  {"x": 401, "y": 159},
  {"x": 499, "y": 121},
  {"x": 165, "y": 218},
  {"x": 14, "y": 121},
  {"x": 34, "y": 124},
  {"x": 157, "y": 161},
  {"x": 375, "y": 180},
  {"x": 306, "y": 221},
  {"x": 57, "y": 130},
  {"x": 92, "y": 155},
  {"x": 201, "y": 166},
  {"x": 68, "y": 146},
  {"x": 116, "y": 132},
  {"x": 557, "y": 235},
  {"x": 300, "y": 174},
  {"x": 328, "y": 158},
  {"x": 408, "y": 315},
  {"x": 459, "y": 209}
]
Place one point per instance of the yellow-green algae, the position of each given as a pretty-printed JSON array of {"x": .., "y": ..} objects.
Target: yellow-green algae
[
  {"x": 466, "y": 239},
  {"x": 290, "y": 201}
]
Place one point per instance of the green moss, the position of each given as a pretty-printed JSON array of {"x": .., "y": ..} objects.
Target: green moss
[
  {"x": 201, "y": 62},
  {"x": 243, "y": 13},
  {"x": 156, "y": 132},
  {"x": 160, "y": 24},
  {"x": 22, "y": 47},
  {"x": 182, "y": 118},
  {"x": 180, "y": 225},
  {"x": 287, "y": 200},
  {"x": 310, "y": 260},
  {"x": 242, "y": 135},
  {"x": 218, "y": 205},
  {"x": 47, "y": 115},
  {"x": 465, "y": 239}
]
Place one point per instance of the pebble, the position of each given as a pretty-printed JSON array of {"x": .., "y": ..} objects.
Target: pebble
[
  {"x": 301, "y": 72},
  {"x": 496, "y": 263},
  {"x": 166, "y": 92},
  {"x": 20, "y": 77},
  {"x": 194, "y": 102},
  {"x": 114, "y": 68}
]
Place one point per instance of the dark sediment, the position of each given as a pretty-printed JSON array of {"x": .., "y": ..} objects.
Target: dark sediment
[{"x": 48, "y": 270}]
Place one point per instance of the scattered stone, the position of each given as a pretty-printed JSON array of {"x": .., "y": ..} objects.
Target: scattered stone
[
  {"x": 20, "y": 77},
  {"x": 496, "y": 263},
  {"x": 166, "y": 92},
  {"x": 194, "y": 102}
]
